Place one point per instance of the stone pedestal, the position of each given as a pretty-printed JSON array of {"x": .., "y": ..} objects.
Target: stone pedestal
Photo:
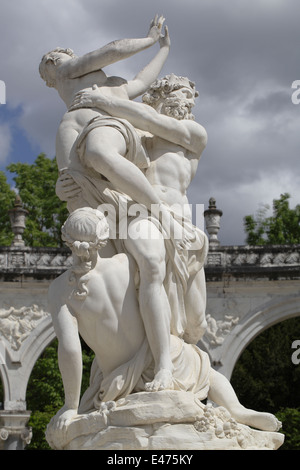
[
  {"x": 167, "y": 420},
  {"x": 212, "y": 220},
  {"x": 17, "y": 217},
  {"x": 14, "y": 433}
]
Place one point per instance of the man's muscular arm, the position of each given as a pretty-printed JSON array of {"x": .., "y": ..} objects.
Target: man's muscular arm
[
  {"x": 69, "y": 354},
  {"x": 185, "y": 133}
]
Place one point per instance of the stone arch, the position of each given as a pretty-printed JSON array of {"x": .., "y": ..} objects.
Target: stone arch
[
  {"x": 4, "y": 378},
  {"x": 18, "y": 365},
  {"x": 254, "y": 323}
]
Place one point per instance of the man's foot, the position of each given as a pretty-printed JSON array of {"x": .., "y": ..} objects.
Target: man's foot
[{"x": 163, "y": 380}]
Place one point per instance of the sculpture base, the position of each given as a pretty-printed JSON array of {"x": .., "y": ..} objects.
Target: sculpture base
[{"x": 166, "y": 420}]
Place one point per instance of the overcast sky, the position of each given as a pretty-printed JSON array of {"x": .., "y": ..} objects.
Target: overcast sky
[{"x": 243, "y": 56}]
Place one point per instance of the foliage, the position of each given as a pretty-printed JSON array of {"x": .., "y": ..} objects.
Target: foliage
[
  {"x": 46, "y": 213},
  {"x": 7, "y": 197},
  {"x": 283, "y": 227},
  {"x": 290, "y": 418},
  {"x": 38, "y": 422},
  {"x": 45, "y": 393},
  {"x": 265, "y": 378}
]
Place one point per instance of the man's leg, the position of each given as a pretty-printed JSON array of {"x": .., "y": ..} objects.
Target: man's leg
[
  {"x": 195, "y": 306},
  {"x": 149, "y": 253},
  {"x": 104, "y": 152}
]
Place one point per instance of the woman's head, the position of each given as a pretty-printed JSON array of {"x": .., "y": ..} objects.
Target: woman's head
[{"x": 52, "y": 59}]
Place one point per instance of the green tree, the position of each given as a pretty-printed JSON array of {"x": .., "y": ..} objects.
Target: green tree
[
  {"x": 45, "y": 393},
  {"x": 7, "y": 197},
  {"x": 266, "y": 379},
  {"x": 282, "y": 227},
  {"x": 290, "y": 417},
  {"x": 46, "y": 213}
]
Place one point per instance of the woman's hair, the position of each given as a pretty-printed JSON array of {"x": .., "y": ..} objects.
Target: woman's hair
[
  {"x": 52, "y": 56},
  {"x": 85, "y": 229}
]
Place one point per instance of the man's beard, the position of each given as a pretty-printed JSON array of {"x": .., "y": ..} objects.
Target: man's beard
[{"x": 177, "y": 109}]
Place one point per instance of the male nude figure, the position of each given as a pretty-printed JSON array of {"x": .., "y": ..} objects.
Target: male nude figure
[
  {"x": 84, "y": 300},
  {"x": 174, "y": 147}
]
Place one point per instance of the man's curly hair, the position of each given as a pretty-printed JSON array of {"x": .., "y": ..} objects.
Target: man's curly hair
[{"x": 162, "y": 87}]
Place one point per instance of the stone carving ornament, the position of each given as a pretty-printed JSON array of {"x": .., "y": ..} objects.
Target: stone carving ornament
[
  {"x": 136, "y": 289},
  {"x": 16, "y": 324}
]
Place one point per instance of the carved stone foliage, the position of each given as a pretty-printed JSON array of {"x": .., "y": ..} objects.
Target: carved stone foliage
[
  {"x": 14, "y": 433},
  {"x": 25, "y": 434},
  {"x": 223, "y": 256},
  {"x": 16, "y": 324},
  {"x": 258, "y": 256},
  {"x": 34, "y": 260},
  {"x": 217, "y": 330}
]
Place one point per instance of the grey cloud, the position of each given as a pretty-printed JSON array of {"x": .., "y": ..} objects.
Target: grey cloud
[{"x": 242, "y": 55}]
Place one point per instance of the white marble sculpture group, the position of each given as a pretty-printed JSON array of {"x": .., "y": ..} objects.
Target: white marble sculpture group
[{"x": 136, "y": 291}]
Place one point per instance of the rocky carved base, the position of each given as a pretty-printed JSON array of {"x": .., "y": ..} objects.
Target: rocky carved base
[{"x": 163, "y": 420}]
